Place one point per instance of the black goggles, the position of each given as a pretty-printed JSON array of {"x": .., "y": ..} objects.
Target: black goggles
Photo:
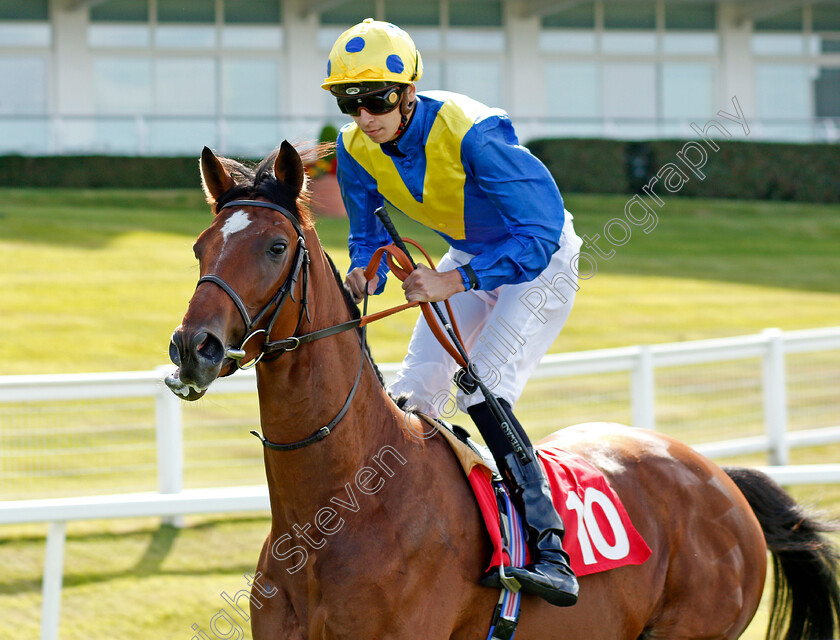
[{"x": 376, "y": 103}]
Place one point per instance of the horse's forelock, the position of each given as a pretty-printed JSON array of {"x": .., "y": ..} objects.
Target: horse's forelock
[{"x": 252, "y": 181}]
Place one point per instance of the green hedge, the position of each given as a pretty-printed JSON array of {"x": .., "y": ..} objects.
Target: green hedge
[
  {"x": 759, "y": 171},
  {"x": 93, "y": 172},
  {"x": 584, "y": 166},
  {"x": 756, "y": 171}
]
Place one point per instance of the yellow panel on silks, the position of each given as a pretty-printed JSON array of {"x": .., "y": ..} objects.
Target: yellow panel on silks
[{"x": 442, "y": 206}]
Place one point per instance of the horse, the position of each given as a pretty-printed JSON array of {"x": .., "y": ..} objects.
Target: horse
[{"x": 374, "y": 530}]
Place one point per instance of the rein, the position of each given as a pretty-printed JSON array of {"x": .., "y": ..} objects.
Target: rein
[{"x": 395, "y": 259}]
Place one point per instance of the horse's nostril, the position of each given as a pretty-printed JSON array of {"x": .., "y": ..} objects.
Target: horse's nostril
[
  {"x": 174, "y": 354},
  {"x": 208, "y": 347}
]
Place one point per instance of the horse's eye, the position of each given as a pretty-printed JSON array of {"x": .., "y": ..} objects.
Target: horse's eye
[{"x": 277, "y": 249}]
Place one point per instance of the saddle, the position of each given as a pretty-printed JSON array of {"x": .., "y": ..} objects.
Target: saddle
[{"x": 599, "y": 534}]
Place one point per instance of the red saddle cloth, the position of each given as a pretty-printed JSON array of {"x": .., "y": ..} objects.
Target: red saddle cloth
[{"x": 599, "y": 534}]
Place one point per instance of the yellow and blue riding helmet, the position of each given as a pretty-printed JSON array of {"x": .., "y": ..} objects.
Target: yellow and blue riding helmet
[{"x": 373, "y": 52}]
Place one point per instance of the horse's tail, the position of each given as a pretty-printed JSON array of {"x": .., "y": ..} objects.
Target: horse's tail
[{"x": 806, "y": 593}]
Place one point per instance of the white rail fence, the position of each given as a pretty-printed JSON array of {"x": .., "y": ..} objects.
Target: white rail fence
[{"x": 643, "y": 365}]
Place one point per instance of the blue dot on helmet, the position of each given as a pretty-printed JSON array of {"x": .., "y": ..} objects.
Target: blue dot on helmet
[
  {"x": 354, "y": 45},
  {"x": 329, "y": 68},
  {"x": 394, "y": 63}
]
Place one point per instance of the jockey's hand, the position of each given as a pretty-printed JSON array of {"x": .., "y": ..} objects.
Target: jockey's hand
[
  {"x": 425, "y": 285},
  {"x": 355, "y": 281}
]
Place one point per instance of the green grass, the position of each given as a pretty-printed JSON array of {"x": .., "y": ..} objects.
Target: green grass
[{"x": 96, "y": 281}]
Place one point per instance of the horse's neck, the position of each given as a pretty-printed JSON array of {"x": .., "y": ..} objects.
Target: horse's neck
[{"x": 305, "y": 389}]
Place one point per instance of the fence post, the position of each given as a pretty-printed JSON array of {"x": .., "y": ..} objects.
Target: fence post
[
  {"x": 53, "y": 579},
  {"x": 774, "y": 387},
  {"x": 642, "y": 398},
  {"x": 170, "y": 446}
]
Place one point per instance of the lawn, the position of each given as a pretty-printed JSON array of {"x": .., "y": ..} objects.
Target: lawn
[{"x": 96, "y": 281}]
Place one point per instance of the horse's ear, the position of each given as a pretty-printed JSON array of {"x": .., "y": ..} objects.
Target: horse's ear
[
  {"x": 288, "y": 167},
  {"x": 215, "y": 179}
]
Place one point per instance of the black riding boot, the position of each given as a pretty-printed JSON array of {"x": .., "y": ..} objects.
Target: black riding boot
[{"x": 549, "y": 575}]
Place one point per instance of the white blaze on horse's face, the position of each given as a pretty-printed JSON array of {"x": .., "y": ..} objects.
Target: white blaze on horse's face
[{"x": 237, "y": 222}]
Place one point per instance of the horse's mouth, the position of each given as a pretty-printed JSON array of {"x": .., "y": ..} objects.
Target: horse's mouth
[{"x": 185, "y": 390}]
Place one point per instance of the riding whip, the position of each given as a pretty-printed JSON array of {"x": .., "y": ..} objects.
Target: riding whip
[{"x": 492, "y": 401}]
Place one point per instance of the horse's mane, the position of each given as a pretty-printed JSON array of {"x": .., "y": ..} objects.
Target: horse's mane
[
  {"x": 260, "y": 180},
  {"x": 355, "y": 313}
]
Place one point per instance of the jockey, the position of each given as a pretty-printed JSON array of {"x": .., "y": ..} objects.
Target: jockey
[{"x": 456, "y": 166}]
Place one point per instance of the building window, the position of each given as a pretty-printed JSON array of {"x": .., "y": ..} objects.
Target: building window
[
  {"x": 185, "y": 36},
  {"x": 785, "y": 21},
  {"x": 252, "y": 11},
  {"x": 690, "y": 17},
  {"x": 432, "y": 75},
  {"x": 476, "y": 28},
  {"x": 25, "y": 35},
  {"x": 480, "y": 79},
  {"x": 827, "y": 93},
  {"x": 185, "y": 86},
  {"x": 119, "y": 36},
  {"x": 783, "y": 91},
  {"x": 28, "y": 10},
  {"x": 28, "y": 76},
  {"x": 690, "y": 29},
  {"x": 186, "y": 24},
  {"x": 826, "y": 17},
  {"x": 349, "y": 13},
  {"x": 120, "y": 24},
  {"x": 121, "y": 11},
  {"x": 26, "y": 24},
  {"x": 242, "y": 96},
  {"x": 252, "y": 24},
  {"x": 413, "y": 14},
  {"x": 473, "y": 40},
  {"x": 475, "y": 13},
  {"x": 567, "y": 41},
  {"x": 200, "y": 11},
  {"x": 779, "y": 35},
  {"x": 583, "y": 102},
  {"x": 630, "y": 15},
  {"x": 30, "y": 134},
  {"x": 581, "y": 16},
  {"x": 629, "y": 91},
  {"x": 630, "y": 28},
  {"x": 122, "y": 86},
  {"x": 688, "y": 90}
]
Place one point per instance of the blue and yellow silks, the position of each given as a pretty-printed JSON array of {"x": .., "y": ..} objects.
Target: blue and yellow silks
[{"x": 459, "y": 170}]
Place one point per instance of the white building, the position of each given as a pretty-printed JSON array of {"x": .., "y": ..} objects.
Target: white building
[{"x": 169, "y": 76}]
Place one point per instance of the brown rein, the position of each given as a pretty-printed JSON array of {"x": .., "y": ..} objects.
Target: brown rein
[{"x": 396, "y": 258}]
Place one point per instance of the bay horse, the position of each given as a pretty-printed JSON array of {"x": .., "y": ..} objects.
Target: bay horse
[{"x": 375, "y": 533}]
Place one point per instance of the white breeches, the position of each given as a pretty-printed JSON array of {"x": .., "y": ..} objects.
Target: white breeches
[{"x": 506, "y": 332}]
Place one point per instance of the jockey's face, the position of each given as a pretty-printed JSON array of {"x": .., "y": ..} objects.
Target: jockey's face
[{"x": 383, "y": 128}]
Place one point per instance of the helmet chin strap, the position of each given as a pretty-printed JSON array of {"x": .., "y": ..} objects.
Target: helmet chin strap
[{"x": 406, "y": 109}]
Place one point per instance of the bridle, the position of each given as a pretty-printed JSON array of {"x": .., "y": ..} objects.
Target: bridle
[
  {"x": 300, "y": 264},
  {"x": 300, "y": 270}
]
